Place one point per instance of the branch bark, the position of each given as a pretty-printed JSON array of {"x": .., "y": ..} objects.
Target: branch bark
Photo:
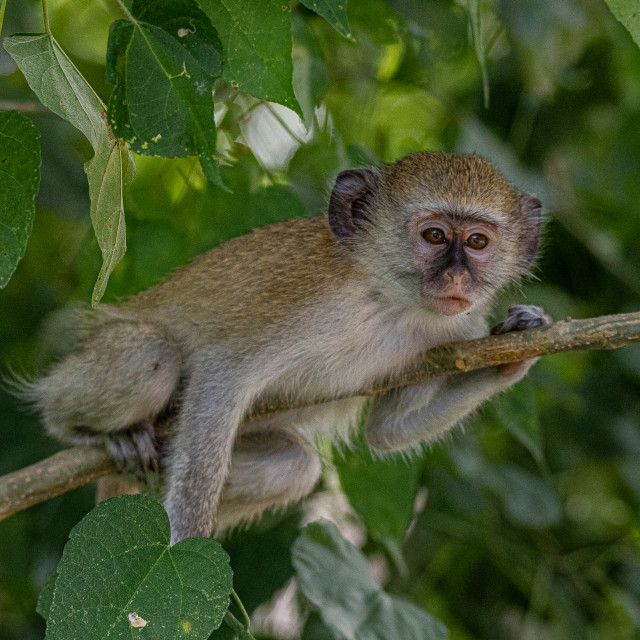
[{"x": 77, "y": 466}]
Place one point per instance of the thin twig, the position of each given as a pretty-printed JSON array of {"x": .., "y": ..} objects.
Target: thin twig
[{"x": 24, "y": 106}]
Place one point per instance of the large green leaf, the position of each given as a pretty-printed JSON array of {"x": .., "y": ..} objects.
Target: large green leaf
[
  {"x": 336, "y": 577},
  {"x": 333, "y": 11},
  {"x": 256, "y": 37},
  {"x": 528, "y": 500},
  {"x": 628, "y": 13},
  {"x": 518, "y": 412},
  {"x": 20, "y": 178},
  {"x": 163, "y": 65},
  {"x": 63, "y": 89},
  {"x": 119, "y": 578},
  {"x": 382, "y": 490}
]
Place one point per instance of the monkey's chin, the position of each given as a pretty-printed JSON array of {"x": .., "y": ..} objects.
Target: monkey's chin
[{"x": 450, "y": 305}]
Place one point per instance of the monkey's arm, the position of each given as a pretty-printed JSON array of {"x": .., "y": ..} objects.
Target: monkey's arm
[{"x": 406, "y": 417}]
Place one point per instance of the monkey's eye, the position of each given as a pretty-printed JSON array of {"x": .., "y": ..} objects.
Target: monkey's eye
[
  {"x": 477, "y": 241},
  {"x": 434, "y": 235}
]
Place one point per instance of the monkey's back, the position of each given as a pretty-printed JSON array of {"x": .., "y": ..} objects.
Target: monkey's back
[{"x": 251, "y": 280}]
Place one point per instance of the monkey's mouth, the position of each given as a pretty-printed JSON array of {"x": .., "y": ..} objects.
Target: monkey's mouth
[{"x": 451, "y": 305}]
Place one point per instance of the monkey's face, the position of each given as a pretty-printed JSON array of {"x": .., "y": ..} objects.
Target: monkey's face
[
  {"x": 454, "y": 258},
  {"x": 437, "y": 231}
]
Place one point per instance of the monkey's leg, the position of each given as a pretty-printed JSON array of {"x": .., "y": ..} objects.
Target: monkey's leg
[
  {"x": 269, "y": 469},
  {"x": 110, "y": 391},
  {"x": 403, "y": 418},
  {"x": 199, "y": 455}
]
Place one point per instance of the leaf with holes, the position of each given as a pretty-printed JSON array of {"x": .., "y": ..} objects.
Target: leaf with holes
[
  {"x": 163, "y": 66},
  {"x": 118, "y": 577}
]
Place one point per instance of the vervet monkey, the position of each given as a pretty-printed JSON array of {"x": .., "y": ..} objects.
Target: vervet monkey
[{"x": 410, "y": 256}]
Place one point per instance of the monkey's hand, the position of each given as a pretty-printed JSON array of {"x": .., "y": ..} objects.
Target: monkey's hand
[
  {"x": 521, "y": 317},
  {"x": 135, "y": 450}
]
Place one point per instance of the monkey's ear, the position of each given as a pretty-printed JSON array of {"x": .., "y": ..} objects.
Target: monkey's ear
[
  {"x": 533, "y": 217},
  {"x": 349, "y": 199}
]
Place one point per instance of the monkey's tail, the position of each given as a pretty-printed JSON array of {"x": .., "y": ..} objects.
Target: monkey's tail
[{"x": 26, "y": 388}]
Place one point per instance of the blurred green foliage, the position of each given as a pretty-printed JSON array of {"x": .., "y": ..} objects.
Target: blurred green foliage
[{"x": 526, "y": 525}]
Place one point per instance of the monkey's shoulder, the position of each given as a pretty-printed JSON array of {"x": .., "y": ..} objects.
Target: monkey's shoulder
[
  {"x": 280, "y": 242},
  {"x": 284, "y": 263}
]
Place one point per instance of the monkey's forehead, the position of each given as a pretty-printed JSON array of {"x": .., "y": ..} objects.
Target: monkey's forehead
[{"x": 447, "y": 177}]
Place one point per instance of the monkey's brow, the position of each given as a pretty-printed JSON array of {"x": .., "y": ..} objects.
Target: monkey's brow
[
  {"x": 460, "y": 215},
  {"x": 465, "y": 212}
]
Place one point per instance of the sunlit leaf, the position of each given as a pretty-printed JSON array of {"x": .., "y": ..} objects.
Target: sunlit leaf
[
  {"x": 628, "y": 13},
  {"x": 20, "y": 179},
  {"x": 3, "y": 6},
  {"x": 256, "y": 38},
  {"x": 119, "y": 578},
  {"x": 63, "y": 89},
  {"x": 475, "y": 21}
]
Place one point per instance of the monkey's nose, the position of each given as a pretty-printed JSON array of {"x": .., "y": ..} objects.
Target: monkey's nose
[{"x": 456, "y": 279}]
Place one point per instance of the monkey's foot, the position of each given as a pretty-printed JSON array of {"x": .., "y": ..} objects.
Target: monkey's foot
[
  {"x": 135, "y": 450},
  {"x": 521, "y": 317}
]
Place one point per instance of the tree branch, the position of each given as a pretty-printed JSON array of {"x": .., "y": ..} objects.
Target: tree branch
[{"x": 77, "y": 466}]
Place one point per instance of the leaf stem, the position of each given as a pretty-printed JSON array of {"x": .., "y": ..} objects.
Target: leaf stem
[
  {"x": 245, "y": 615},
  {"x": 126, "y": 11},
  {"x": 236, "y": 626},
  {"x": 45, "y": 16}
]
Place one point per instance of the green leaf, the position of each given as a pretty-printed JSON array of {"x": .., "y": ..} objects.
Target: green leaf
[
  {"x": 315, "y": 630},
  {"x": 256, "y": 38},
  {"x": 46, "y": 596},
  {"x": 333, "y": 11},
  {"x": 518, "y": 412},
  {"x": 63, "y": 89},
  {"x": 381, "y": 490},
  {"x": 628, "y": 13},
  {"x": 336, "y": 577},
  {"x": 475, "y": 23},
  {"x": 528, "y": 500},
  {"x": 20, "y": 177},
  {"x": 163, "y": 68},
  {"x": 118, "y": 567},
  {"x": 311, "y": 79}
]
